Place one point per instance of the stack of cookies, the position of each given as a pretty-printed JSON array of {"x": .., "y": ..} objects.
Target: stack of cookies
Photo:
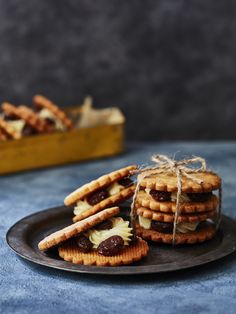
[{"x": 156, "y": 207}]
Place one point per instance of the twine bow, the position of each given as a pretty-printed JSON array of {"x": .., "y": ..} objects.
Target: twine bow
[{"x": 182, "y": 168}]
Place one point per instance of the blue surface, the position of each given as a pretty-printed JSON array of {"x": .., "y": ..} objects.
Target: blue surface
[{"x": 28, "y": 288}]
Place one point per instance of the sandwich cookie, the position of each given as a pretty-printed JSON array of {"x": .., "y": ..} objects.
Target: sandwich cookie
[
  {"x": 108, "y": 190},
  {"x": 101, "y": 239},
  {"x": 23, "y": 120},
  {"x": 55, "y": 118}
]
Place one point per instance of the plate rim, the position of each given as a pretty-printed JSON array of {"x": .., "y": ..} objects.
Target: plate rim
[{"x": 117, "y": 270}]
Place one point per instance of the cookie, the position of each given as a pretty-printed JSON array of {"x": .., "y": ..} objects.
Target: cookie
[
  {"x": 110, "y": 201},
  {"x": 68, "y": 232},
  {"x": 44, "y": 103},
  {"x": 26, "y": 114},
  {"x": 97, "y": 184},
  {"x": 145, "y": 200},
  {"x": 197, "y": 236},
  {"x": 168, "y": 182},
  {"x": 8, "y": 131},
  {"x": 159, "y": 216},
  {"x": 71, "y": 253}
]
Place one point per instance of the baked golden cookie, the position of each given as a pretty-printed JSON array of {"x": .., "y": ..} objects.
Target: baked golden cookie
[
  {"x": 144, "y": 199},
  {"x": 101, "y": 239},
  {"x": 70, "y": 252},
  {"x": 32, "y": 122},
  {"x": 68, "y": 232},
  {"x": 164, "y": 217},
  {"x": 202, "y": 235},
  {"x": 51, "y": 112},
  {"x": 108, "y": 190},
  {"x": 167, "y": 182}
]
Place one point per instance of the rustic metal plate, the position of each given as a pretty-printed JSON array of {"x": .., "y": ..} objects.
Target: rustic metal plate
[{"x": 24, "y": 236}]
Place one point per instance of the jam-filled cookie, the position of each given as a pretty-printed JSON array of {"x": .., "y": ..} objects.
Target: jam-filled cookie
[
  {"x": 109, "y": 190},
  {"x": 102, "y": 239},
  {"x": 55, "y": 118},
  {"x": 23, "y": 120}
]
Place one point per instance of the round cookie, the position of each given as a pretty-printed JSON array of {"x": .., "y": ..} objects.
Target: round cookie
[
  {"x": 146, "y": 200},
  {"x": 168, "y": 182},
  {"x": 158, "y": 216},
  {"x": 42, "y": 102},
  {"x": 68, "y": 232},
  {"x": 198, "y": 236},
  {"x": 71, "y": 253},
  {"x": 97, "y": 184},
  {"x": 26, "y": 114}
]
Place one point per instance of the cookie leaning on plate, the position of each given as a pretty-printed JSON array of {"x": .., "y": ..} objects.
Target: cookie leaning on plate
[
  {"x": 108, "y": 190},
  {"x": 101, "y": 239}
]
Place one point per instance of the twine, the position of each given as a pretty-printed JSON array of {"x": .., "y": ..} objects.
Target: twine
[{"x": 181, "y": 168}]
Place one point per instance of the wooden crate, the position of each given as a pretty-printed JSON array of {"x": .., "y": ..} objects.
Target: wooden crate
[{"x": 61, "y": 147}]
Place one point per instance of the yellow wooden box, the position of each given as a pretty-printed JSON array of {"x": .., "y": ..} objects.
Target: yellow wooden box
[{"x": 61, "y": 147}]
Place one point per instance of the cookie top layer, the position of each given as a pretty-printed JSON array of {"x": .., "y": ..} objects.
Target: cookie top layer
[
  {"x": 168, "y": 182},
  {"x": 97, "y": 184},
  {"x": 42, "y": 102},
  {"x": 146, "y": 200},
  {"x": 76, "y": 228}
]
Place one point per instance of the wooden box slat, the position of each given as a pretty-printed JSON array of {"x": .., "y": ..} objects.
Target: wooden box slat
[{"x": 61, "y": 148}]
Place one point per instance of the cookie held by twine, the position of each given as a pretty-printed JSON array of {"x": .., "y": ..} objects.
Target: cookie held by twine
[
  {"x": 146, "y": 200},
  {"x": 180, "y": 238}
]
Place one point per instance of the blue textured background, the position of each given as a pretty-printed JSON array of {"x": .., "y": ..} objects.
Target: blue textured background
[{"x": 27, "y": 288}]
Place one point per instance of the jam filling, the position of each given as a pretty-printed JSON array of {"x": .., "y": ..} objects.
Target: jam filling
[
  {"x": 9, "y": 117},
  {"x": 105, "y": 225},
  {"x": 109, "y": 247},
  {"x": 163, "y": 227},
  {"x": 161, "y": 196},
  {"x": 167, "y": 227},
  {"x": 126, "y": 182},
  {"x": 99, "y": 195},
  {"x": 28, "y": 130},
  {"x": 199, "y": 197}
]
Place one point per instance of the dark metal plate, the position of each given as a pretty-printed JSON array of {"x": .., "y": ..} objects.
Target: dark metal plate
[{"x": 24, "y": 236}]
